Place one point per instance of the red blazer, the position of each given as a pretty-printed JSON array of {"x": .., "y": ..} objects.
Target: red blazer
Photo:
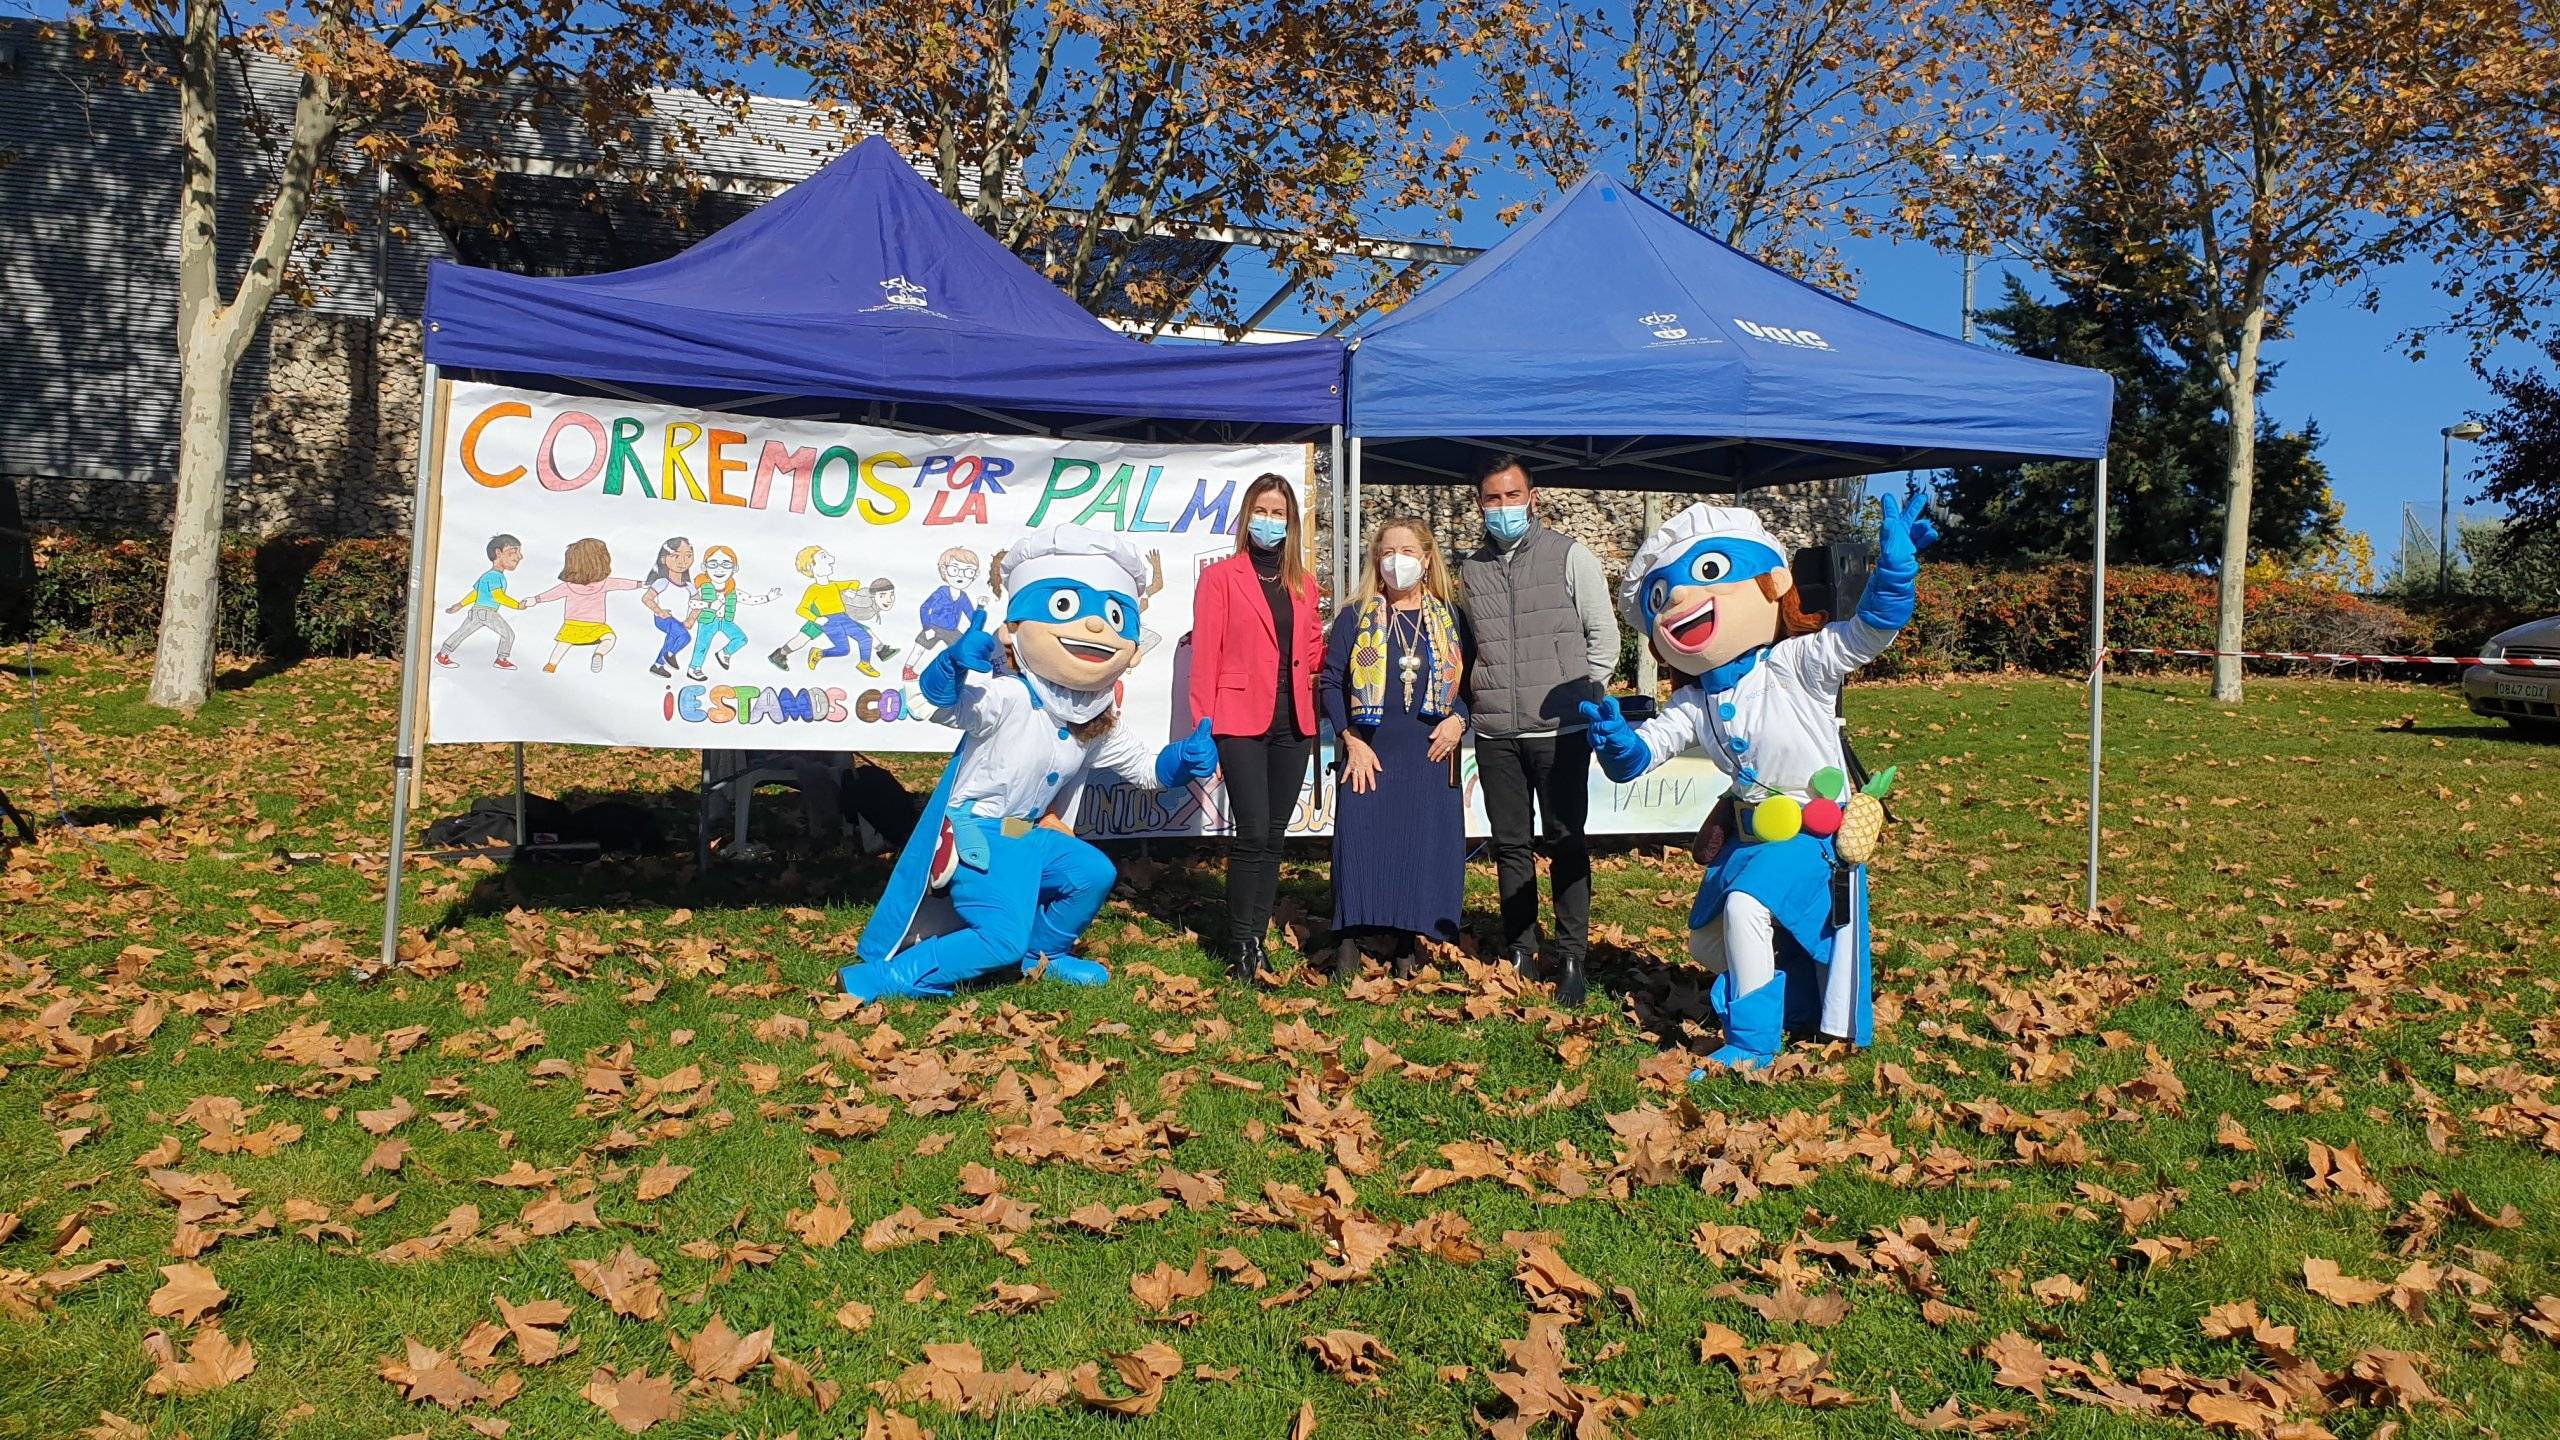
[{"x": 1235, "y": 651}]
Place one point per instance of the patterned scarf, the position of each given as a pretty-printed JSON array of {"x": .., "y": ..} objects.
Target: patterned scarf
[{"x": 1369, "y": 661}]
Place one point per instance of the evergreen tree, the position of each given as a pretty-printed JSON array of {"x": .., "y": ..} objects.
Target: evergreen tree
[{"x": 2167, "y": 477}]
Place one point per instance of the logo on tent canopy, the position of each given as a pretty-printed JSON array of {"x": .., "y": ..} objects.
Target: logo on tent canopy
[
  {"x": 1667, "y": 330},
  {"x": 904, "y": 292}
]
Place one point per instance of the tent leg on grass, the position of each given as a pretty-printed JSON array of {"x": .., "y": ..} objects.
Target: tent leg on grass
[
  {"x": 2097, "y": 671},
  {"x": 522, "y": 839},
  {"x": 404, "y": 754}
]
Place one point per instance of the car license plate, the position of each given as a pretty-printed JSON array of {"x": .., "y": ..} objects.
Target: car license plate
[{"x": 2523, "y": 690}]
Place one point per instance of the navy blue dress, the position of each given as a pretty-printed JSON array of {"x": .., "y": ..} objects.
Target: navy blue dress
[{"x": 1400, "y": 851}]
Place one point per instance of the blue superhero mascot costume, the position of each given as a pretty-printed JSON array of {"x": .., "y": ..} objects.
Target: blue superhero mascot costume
[
  {"x": 1712, "y": 592},
  {"x": 995, "y": 881}
]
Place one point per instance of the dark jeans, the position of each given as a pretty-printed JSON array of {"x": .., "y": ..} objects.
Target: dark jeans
[
  {"x": 1553, "y": 772},
  {"x": 1264, "y": 774}
]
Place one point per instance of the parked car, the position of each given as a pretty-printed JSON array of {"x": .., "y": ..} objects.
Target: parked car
[{"x": 2526, "y": 696}]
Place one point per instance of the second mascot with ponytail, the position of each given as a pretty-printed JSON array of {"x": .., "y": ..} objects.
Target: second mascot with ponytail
[
  {"x": 1782, "y": 914},
  {"x": 995, "y": 881}
]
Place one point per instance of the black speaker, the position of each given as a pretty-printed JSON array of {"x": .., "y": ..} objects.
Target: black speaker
[{"x": 1830, "y": 577}]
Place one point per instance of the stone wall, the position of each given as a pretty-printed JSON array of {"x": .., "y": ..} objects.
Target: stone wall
[{"x": 333, "y": 438}]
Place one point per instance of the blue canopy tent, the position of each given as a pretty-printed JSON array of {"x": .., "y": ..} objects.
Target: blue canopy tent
[
  {"x": 1613, "y": 346},
  {"x": 861, "y": 293},
  {"x": 863, "y": 284}
]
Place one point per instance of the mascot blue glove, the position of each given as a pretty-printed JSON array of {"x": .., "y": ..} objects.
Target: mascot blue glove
[
  {"x": 1193, "y": 757},
  {"x": 1622, "y": 752},
  {"x": 975, "y": 652},
  {"x": 1893, "y": 590}
]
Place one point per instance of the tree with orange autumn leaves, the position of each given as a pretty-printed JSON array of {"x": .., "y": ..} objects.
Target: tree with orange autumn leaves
[
  {"x": 2256, "y": 153},
  {"x": 1064, "y": 128},
  {"x": 1777, "y": 126},
  {"x": 424, "y": 90}
]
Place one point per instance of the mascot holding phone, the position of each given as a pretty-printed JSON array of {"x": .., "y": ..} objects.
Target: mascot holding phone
[
  {"x": 994, "y": 881},
  {"x": 1782, "y": 915}
]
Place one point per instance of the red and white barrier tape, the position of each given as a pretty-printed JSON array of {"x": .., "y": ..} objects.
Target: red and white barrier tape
[{"x": 2518, "y": 662}]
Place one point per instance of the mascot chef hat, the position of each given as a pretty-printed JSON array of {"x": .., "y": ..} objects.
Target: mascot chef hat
[
  {"x": 1731, "y": 523},
  {"x": 1095, "y": 558}
]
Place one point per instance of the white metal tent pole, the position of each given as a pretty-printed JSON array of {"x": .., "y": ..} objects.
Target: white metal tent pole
[
  {"x": 1351, "y": 569},
  {"x": 404, "y": 755},
  {"x": 1333, "y": 509},
  {"x": 2097, "y": 672}
]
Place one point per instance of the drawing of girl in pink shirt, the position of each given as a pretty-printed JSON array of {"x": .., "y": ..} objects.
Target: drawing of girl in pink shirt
[{"x": 586, "y": 577}]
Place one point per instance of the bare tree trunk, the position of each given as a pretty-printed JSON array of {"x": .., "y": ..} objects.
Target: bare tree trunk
[
  {"x": 182, "y": 668},
  {"x": 2239, "y": 378},
  {"x": 212, "y": 337}
]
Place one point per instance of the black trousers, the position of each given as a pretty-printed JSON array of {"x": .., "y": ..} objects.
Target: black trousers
[
  {"x": 1550, "y": 773},
  {"x": 1264, "y": 774}
]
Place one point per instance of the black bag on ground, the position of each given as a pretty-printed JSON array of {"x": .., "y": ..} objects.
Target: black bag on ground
[
  {"x": 491, "y": 820},
  {"x": 872, "y": 796},
  {"x": 614, "y": 827}
]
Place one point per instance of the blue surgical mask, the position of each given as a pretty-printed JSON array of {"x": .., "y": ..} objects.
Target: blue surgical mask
[
  {"x": 1507, "y": 522},
  {"x": 1266, "y": 531}
]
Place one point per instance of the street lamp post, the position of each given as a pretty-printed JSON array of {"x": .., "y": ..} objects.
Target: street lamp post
[{"x": 2467, "y": 430}]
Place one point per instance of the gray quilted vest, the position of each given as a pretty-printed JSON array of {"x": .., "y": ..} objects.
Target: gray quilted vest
[{"x": 1532, "y": 667}]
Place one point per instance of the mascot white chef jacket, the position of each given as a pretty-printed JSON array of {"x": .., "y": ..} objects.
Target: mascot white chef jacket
[
  {"x": 1712, "y": 591},
  {"x": 995, "y": 881}
]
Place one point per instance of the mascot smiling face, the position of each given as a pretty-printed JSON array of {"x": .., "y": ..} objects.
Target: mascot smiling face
[
  {"x": 1071, "y": 609},
  {"x": 1709, "y": 587}
]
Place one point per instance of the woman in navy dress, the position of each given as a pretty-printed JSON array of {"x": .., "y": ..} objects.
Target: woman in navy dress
[{"x": 1390, "y": 687}]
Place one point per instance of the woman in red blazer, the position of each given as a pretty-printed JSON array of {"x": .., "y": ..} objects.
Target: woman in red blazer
[{"x": 1255, "y": 649}]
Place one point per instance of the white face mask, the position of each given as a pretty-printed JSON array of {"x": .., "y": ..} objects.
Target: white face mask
[{"x": 1402, "y": 572}]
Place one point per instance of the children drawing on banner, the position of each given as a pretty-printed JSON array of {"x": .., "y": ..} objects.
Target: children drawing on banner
[
  {"x": 995, "y": 881},
  {"x": 586, "y": 577},
  {"x": 1782, "y": 914},
  {"x": 487, "y": 599},
  {"x": 945, "y": 613},
  {"x": 823, "y": 612},
  {"x": 669, "y": 596},
  {"x": 715, "y": 610},
  {"x": 868, "y": 606}
]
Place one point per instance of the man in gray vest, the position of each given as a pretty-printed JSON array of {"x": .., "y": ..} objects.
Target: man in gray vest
[{"x": 1546, "y": 639}]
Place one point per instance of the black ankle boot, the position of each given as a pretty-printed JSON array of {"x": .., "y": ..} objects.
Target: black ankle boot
[
  {"x": 1406, "y": 961},
  {"x": 1246, "y": 964},
  {"x": 1524, "y": 957},
  {"x": 1570, "y": 984},
  {"x": 1346, "y": 962}
]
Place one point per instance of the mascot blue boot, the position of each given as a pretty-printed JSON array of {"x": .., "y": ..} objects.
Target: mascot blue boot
[
  {"x": 994, "y": 882},
  {"x": 1782, "y": 914}
]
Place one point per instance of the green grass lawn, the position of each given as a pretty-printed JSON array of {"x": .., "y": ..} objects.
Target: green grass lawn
[{"x": 2317, "y": 1023}]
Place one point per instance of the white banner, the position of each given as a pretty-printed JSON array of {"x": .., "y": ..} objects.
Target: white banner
[{"x": 614, "y": 573}]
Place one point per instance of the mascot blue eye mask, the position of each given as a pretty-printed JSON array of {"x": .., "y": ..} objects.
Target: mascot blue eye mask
[
  {"x": 1705, "y": 588},
  {"x": 1062, "y": 602},
  {"x": 1725, "y": 560}
]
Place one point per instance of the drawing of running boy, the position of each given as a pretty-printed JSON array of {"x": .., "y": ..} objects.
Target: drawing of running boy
[
  {"x": 944, "y": 615},
  {"x": 488, "y": 597},
  {"x": 586, "y": 578},
  {"x": 715, "y": 606},
  {"x": 823, "y": 612}
]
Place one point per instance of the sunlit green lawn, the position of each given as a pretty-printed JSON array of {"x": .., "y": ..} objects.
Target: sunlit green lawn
[{"x": 2329, "y": 922}]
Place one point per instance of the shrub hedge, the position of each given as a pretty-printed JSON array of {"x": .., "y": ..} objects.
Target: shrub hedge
[{"x": 290, "y": 597}]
